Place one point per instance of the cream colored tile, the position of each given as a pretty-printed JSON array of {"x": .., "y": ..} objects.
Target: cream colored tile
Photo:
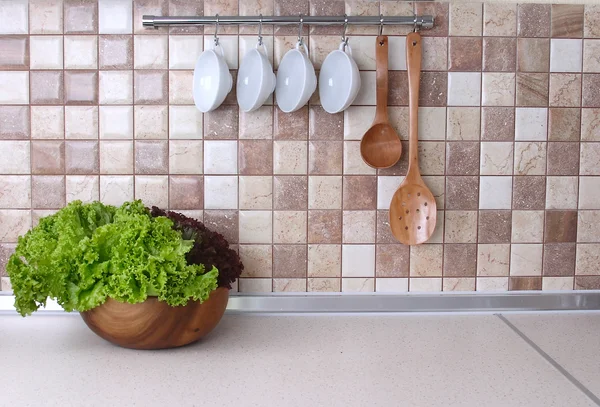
[
  {"x": 150, "y": 51},
  {"x": 432, "y": 123},
  {"x": 324, "y": 192},
  {"x": 492, "y": 284},
  {"x": 589, "y": 163},
  {"x": 256, "y": 226},
  {"x": 13, "y": 223},
  {"x": 495, "y": 192},
  {"x": 588, "y": 258},
  {"x": 526, "y": 259},
  {"x": 256, "y": 192},
  {"x": 500, "y": 19},
  {"x": 591, "y": 55},
  {"x": 45, "y": 17},
  {"x": 363, "y": 51},
  {"x": 496, "y": 158},
  {"x": 14, "y": 87},
  {"x": 386, "y": 187},
  {"x": 220, "y": 157},
  {"x": 355, "y": 285},
  {"x": 464, "y": 123},
  {"x": 366, "y": 95},
  {"x": 466, "y": 19},
  {"x": 531, "y": 124},
  {"x": 185, "y": 157},
  {"x": 185, "y": 122},
  {"x": 180, "y": 87},
  {"x": 358, "y": 226},
  {"x": 353, "y": 162},
  {"x": 15, "y": 191},
  {"x": 493, "y": 259},
  {"x": 151, "y": 122},
  {"x": 116, "y": 122},
  {"x": 324, "y": 284},
  {"x": 425, "y": 284},
  {"x": 358, "y": 260},
  {"x": 292, "y": 285},
  {"x": 434, "y": 53},
  {"x": 557, "y": 283},
  {"x": 530, "y": 158},
  {"x": 116, "y": 157},
  {"x": 81, "y": 122},
  {"x": 184, "y": 50},
  {"x": 589, "y": 193},
  {"x": 391, "y": 285},
  {"x": 464, "y": 88},
  {"x": 230, "y": 46},
  {"x": 115, "y": 189},
  {"x": 561, "y": 192},
  {"x": 255, "y": 285},
  {"x": 461, "y": 227},
  {"x": 527, "y": 226},
  {"x": 426, "y": 261},
  {"x": 15, "y": 157},
  {"x": 324, "y": 260},
  {"x": 257, "y": 260},
  {"x": 257, "y": 124},
  {"x": 116, "y": 87},
  {"x": 153, "y": 190},
  {"x": 289, "y": 227},
  {"x": 587, "y": 226},
  {"x": 221, "y": 192},
  {"x": 458, "y": 284},
  {"x": 81, "y": 52},
  {"x": 47, "y": 122},
  {"x": 357, "y": 120},
  {"x": 85, "y": 188},
  {"x": 290, "y": 157},
  {"x": 46, "y": 52}
]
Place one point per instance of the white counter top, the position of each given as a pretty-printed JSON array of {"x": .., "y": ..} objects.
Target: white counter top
[{"x": 303, "y": 360}]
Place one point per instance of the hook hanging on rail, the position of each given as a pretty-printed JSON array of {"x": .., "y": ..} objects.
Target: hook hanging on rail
[
  {"x": 216, "y": 39},
  {"x": 415, "y": 24},
  {"x": 300, "y": 40},
  {"x": 260, "y": 23},
  {"x": 344, "y": 37},
  {"x": 380, "y": 24}
]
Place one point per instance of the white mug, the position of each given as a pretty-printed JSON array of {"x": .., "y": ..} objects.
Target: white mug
[
  {"x": 296, "y": 79},
  {"x": 339, "y": 80},
  {"x": 256, "y": 80},
  {"x": 212, "y": 79}
]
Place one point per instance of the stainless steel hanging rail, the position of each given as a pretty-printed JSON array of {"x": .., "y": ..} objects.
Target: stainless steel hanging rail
[{"x": 162, "y": 21}]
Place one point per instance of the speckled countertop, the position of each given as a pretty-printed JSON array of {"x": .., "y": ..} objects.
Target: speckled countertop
[{"x": 311, "y": 360}]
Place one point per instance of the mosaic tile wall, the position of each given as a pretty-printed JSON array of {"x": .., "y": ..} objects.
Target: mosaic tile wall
[{"x": 93, "y": 106}]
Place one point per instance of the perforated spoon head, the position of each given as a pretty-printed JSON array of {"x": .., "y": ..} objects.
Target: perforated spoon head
[{"x": 413, "y": 213}]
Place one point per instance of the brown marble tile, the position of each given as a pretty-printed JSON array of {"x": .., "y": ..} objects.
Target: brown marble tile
[
  {"x": 494, "y": 226},
  {"x": 81, "y": 16},
  {"x": 563, "y": 158},
  {"x": 591, "y": 21},
  {"x": 186, "y": 8},
  {"x": 150, "y": 87},
  {"x": 565, "y": 90},
  {"x": 290, "y": 193},
  {"x": 225, "y": 222},
  {"x": 499, "y": 54},
  {"x": 434, "y": 89},
  {"x": 532, "y": 89},
  {"x": 322, "y": 125},
  {"x": 524, "y": 283},
  {"x": 255, "y": 157},
  {"x": 222, "y": 123},
  {"x": 465, "y": 53},
  {"x": 46, "y": 87},
  {"x": 462, "y": 158},
  {"x": 590, "y": 124},
  {"x": 559, "y": 259},
  {"x": 360, "y": 192},
  {"x": 48, "y": 191},
  {"x": 291, "y": 126},
  {"x": 325, "y": 157},
  {"x": 561, "y": 226},
  {"x": 591, "y": 90},
  {"x": 81, "y": 87},
  {"x": 533, "y": 20},
  {"x": 462, "y": 192},
  {"x": 435, "y": 54},
  {"x": 289, "y": 260},
  {"x": 440, "y": 14},
  {"x": 398, "y": 88},
  {"x": 533, "y": 55},
  {"x": 186, "y": 192},
  {"x": 47, "y": 157},
  {"x": 115, "y": 52},
  {"x": 290, "y": 8},
  {"x": 151, "y": 157},
  {"x": 567, "y": 20},
  {"x": 14, "y": 122},
  {"x": 15, "y": 52},
  {"x": 326, "y": 8},
  {"x": 460, "y": 260},
  {"x": 81, "y": 157},
  {"x": 564, "y": 124},
  {"x": 392, "y": 260},
  {"x": 497, "y": 124},
  {"x": 324, "y": 226},
  {"x": 529, "y": 192},
  {"x": 383, "y": 231},
  {"x": 587, "y": 282}
]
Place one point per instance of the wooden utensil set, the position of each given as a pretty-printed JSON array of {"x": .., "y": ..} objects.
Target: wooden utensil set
[{"x": 413, "y": 206}]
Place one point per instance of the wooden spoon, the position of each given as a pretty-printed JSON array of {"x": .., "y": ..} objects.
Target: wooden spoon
[
  {"x": 413, "y": 207},
  {"x": 380, "y": 146}
]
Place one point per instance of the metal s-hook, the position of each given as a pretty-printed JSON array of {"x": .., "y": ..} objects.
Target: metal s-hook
[
  {"x": 300, "y": 40},
  {"x": 260, "y": 23},
  {"x": 380, "y": 24},
  {"x": 344, "y": 38},
  {"x": 216, "y": 39},
  {"x": 415, "y": 23}
]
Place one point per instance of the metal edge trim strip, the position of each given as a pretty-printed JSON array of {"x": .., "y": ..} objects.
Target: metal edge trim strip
[{"x": 398, "y": 303}]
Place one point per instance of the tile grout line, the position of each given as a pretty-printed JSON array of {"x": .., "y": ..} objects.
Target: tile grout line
[{"x": 550, "y": 360}]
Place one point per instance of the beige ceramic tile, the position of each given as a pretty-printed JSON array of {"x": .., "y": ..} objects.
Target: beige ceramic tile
[
  {"x": 46, "y": 16},
  {"x": 526, "y": 259},
  {"x": 256, "y": 192},
  {"x": 425, "y": 284},
  {"x": 496, "y": 158},
  {"x": 324, "y": 260},
  {"x": 527, "y": 226},
  {"x": 116, "y": 189},
  {"x": 463, "y": 123},
  {"x": 324, "y": 284},
  {"x": 325, "y": 192},
  {"x": 499, "y": 19},
  {"x": 15, "y": 157},
  {"x": 290, "y": 157},
  {"x": 561, "y": 192},
  {"x": 180, "y": 88},
  {"x": 458, "y": 284},
  {"x": 293, "y": 285},
  {"x": 353, "y": 162},
  {"x": 426, "y": 260},
  {"x": 153, "y": 190},
  {"x": 495, "y": 192},
  {"x": 255, "y": 285},
  {"x": 589, "y": 163},
  {"x": 530, "y": 158},
  {"x": 461, "y": 227},
  {"x": 256, "y": 226},
  {"x": 185, "y": 157},
  {"x": 13, "y": 223},
  {"x": 587, "y": 226},
  {"x": 557, "y": 283},
  {"x": 85, "y": 188},
  {"x": 466, "y": 19},
  {"x": 47, "y": 122},
  {"x": 588, "y": 258},
  {"x": 591, "y": 56},
  {"x": 358, "y": 226},
  {"x": 15, "y": 192},
  {"x": 357, "y": 120},
  {"x": 565, "y": 90},
  {"x": 358, "y": 260},
  {"x": 81, "y": 122},
  {"x": 289, "y": 227},
  {"x": 493, "y": 259},
  {"x": 498, "y": 89},
  {"x": 589, "y": 193},
  {"x": 391, "y": 285},
  {"x": 356, "y": 285},
  {"x": 151, "y": 122},
  {"x": 257, "y": 260},
  {"x": 492, "y": 284},
  {"x": 116, "y": 157}
]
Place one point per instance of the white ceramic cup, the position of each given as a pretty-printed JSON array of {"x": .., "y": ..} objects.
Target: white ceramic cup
[
  {"x": 256, "y": 80},
  {"x": 212, "y": 79},
  {"x": 296, "y": 79},
  {"x": 339, "y": 80}
]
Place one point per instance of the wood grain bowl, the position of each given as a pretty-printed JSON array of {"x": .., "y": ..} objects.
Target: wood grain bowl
[{"x": 153, "y": 324}]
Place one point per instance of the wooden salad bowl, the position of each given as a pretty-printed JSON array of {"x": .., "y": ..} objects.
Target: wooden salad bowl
[{"x": 153, "y": 324}]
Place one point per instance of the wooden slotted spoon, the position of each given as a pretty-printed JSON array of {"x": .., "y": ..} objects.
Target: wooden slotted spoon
[
  {"x": 413, "y": 207},
  {"x": 380, "y": 146}
]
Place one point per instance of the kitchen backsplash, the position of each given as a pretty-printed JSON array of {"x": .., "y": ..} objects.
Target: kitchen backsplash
[{"x": 94, "y": 106}]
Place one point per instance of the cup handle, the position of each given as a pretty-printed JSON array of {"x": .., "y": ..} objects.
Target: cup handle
[
  {"x": 298, "y": 45},
  {"x": 219, "y": 48},
  {"x": 344, "y": 46},
  {"x": 262, "y": 47}
]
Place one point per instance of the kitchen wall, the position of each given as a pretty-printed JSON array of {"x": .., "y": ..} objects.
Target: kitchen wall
[{"x": 93, "y": 106}]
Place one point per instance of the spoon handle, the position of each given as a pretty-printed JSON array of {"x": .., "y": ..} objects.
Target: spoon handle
[
  {"x": 381, "y": 60},
  {"x": 413, "y": 61}
]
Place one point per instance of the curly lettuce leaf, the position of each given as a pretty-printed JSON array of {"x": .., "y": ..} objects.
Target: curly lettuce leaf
[{"x": 86, "y": 253}]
